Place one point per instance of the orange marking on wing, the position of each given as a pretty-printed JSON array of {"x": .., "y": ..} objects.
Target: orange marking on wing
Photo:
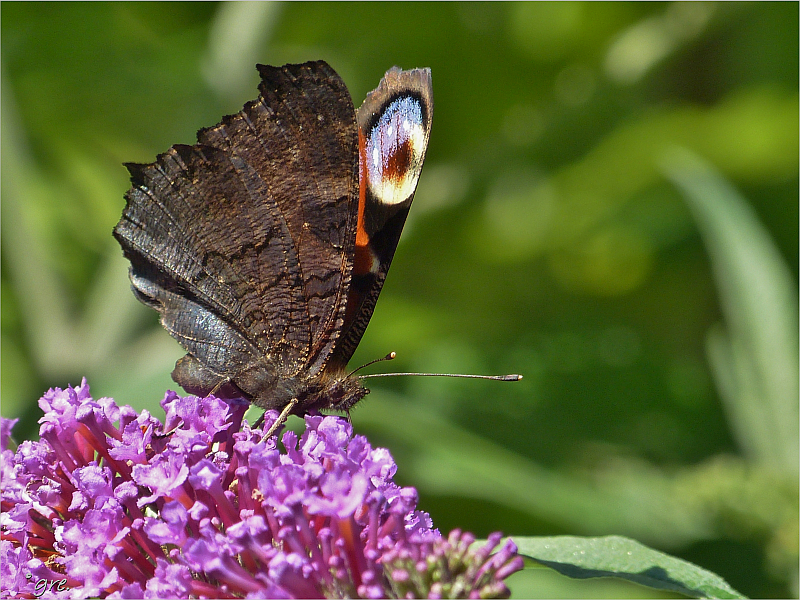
[
  {"x": 362, "y": 238},
  {"x": 363, "y": 260}
]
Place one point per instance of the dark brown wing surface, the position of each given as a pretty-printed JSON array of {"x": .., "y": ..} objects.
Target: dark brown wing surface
[{"x": 244, "y": 242}]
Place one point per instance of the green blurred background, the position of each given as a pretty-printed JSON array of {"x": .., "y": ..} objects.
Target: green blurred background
[{"x": 609, "y": 206}]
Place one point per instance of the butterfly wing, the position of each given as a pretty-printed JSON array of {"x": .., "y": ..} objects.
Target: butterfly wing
[
  {"x": 394, "y": 124},
  {"x": 244, "y": 241}
]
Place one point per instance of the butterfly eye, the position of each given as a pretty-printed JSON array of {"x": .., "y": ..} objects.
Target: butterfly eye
[{"x": 395, "y": 149}]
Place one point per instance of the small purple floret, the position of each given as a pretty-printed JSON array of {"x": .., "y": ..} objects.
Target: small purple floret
[{"x": 113, "y": 504}]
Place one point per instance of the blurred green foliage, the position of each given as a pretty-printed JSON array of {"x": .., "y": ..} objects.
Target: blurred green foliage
[{"x": 609, "y": 207}]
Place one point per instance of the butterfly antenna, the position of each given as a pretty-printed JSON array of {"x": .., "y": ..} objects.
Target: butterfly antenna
[
  {"x": 392, "y": 355},
  {"x": 459, "y": 375}
]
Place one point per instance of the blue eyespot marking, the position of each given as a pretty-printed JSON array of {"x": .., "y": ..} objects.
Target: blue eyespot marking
[{"x": 394, "y": 150}]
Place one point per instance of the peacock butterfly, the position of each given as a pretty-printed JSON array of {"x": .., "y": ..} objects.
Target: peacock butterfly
[{"x": 264, "y": 246}]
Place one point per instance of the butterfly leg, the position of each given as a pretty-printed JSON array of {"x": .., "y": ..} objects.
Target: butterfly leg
[
  {"x": 219, "y": 385},
  {"x": 259, "y": 421},
  {"x": 281, "y": 418}
]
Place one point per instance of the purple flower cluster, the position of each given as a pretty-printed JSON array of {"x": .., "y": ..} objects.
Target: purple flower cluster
[{"x": 203, "y": 507}]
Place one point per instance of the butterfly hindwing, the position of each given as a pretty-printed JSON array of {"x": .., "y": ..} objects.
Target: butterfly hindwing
[
  {"x": 300, "y": 138},
  {"x": 244, "y": 242}
]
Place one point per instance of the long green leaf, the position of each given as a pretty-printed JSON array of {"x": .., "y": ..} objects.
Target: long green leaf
[
  {"x": 755, "y": 360},
  {"x": 447, "y": 460}
]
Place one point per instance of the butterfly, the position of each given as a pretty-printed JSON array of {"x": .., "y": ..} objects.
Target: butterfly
[{"x": 265, "y": 246}]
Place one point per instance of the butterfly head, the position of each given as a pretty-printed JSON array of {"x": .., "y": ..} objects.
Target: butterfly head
[
  {"x": 330, "y": 389},
  {"x": 343, "y": 393}
]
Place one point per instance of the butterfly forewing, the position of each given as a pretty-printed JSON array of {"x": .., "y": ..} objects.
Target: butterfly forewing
[{"x": 394, "y": 127}]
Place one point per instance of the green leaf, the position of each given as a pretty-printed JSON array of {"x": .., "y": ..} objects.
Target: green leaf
[
  {"x": 615, "y": 556},
  {"x": 755, "y": 358}
]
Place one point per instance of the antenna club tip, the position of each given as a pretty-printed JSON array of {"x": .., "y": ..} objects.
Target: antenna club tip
[
  {"x": 513, "y": 377},
  {"x": 392, "y": 355}
]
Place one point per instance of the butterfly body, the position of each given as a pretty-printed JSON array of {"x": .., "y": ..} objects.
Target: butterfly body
[{"x": 265, "y": 246}]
